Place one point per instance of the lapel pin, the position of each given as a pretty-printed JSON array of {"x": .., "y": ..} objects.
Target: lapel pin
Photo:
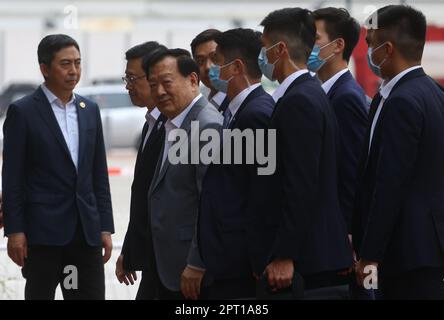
[
  {"x": 82, "y": 105},
  {"x": 159, "y": 125}
]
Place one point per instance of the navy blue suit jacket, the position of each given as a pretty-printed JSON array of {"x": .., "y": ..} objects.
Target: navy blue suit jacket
[
  {"x": 43, "y": 193},
  {"x": 399, "y": 215},
  {"x": 301, "y": 219},
  {"x": 228, "y": 191},
  {"x": 350, "y": 106}
]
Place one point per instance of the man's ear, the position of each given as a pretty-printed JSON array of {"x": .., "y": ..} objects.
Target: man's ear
[
  {"x": 240, "y": 67},
  {"x": 44, "y": 69},
  {"x": 390, "y": 48},
  {"x": 340, "y": 45},
  {"x": 194, "y": 78}
]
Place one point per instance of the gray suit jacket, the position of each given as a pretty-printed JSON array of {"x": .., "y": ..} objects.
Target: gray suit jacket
[{"x": 173, "y": 204}]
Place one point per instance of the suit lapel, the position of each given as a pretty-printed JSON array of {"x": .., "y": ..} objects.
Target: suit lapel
[
  {"x": 253, "y": 94},
  {"x": 341, "y": 80},
  {"x": 48, "y": 116},
  {"x": 186, "y": 125},
  {"x": 82, "y": 116},
  {"x": 304, "y": 77}
]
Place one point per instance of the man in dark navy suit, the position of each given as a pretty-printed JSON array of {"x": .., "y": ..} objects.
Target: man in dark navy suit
[
  {"x": 399, "y": 220},
  {"x": 228, "y": 190},
  {"x": 137, "y": 247},
  {"x": 337, "y": 34},
  {"x": 302, "y": 229},
  {"x": 57, "y": 203}
]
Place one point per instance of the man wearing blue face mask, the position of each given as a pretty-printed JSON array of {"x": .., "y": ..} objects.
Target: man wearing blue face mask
[
  {"x": 398, "y": 227},
  {"x": 230, "y": 190},
  {"x": 337, "y": 33},
  {"x": 299, "y": 228}
]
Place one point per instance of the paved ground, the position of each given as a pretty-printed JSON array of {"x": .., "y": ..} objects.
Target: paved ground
[{"x": 120, "y": 163}]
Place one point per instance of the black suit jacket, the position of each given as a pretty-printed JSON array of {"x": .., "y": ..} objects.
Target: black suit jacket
[
  {"x": 137, "y": 249},
  {"x": 43, "y": 193},
  {"x": 350, "y": 106},
  {"x": 301, "y": 218},
  {"x": 399, "y": 214},
  {"x": 228, "y": 190}
]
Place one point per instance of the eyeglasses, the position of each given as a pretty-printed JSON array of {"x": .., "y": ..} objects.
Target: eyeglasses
[{"x": 132, "y": 79}]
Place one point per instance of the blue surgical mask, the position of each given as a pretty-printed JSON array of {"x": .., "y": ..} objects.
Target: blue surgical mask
[
  {"x": 216, "y": 81},
  {"x": 314, "y": 62},
  {"x": 266, "y": 67},
  {"x": 376, "y": 68}
]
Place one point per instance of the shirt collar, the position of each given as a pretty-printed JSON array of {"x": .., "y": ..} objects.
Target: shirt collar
[
  {"x": 52, "y": 98},
  {"x": 240, "y": 98},
  {"x": 178, "y": 120},
  {"x": 152, "y": 115},
  {"x": 330, "y": 82},
  {"x": 280, "y": 91},
  {"x": 386, "y": 88},
  {"x": 219, "y": 97}
]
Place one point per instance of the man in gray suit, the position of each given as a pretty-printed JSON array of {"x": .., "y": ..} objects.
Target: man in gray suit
[{"x": 173, "y": 198}]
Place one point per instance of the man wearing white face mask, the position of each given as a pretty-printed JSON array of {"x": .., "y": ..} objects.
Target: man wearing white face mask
[
  {"x": 300, "y": 229},
  {"x": 337, "y": 34},
  {"x": 230, "y": 190},
  {"x": 398, "y": 227}
]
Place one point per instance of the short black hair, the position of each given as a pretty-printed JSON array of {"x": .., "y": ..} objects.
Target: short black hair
[
  {"x": 244, "y": 44},
  {"x": 405, "y": 27},
  {"x": 296, "y": 27},
  {"x": 148, "y": 56},
  {"x": 339, "y": 24},
  {"x": 204, "y": 36},
  {"x": 185, "y": 64},
  {"x": 52, "y": 44},
  {"x": 140, "y": 50}
]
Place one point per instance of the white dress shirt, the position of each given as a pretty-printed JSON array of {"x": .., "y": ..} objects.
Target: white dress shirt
[
  {"x": 151, "y": 118},
  {"x": 175, "y": 123},
  {"x": 280, "y": 91},
  {"x": 385, "y": 92},
  {"x": 330, "y": 82},
  {"x": 68, "y": 122},
  {"x": 239, "y": 99}
]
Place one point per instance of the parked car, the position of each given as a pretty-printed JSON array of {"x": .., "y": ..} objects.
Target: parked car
[
  {"x": 122, "y": 121},
  {"x": 14, "y": 92}
]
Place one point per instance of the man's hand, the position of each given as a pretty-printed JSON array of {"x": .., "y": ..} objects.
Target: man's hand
[
  {"x": 190, "y": 281},
  {"x": 107, "y": 244},
  {"x": 350, "y": 270},
  {"x": 359, "y": 269},
  {"x": 123, "y": 275},
  {"x": 280, "y": 273},
  {"x": 18, "y": 248}
]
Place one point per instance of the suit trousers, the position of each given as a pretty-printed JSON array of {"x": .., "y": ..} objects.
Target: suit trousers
[{"x": 77, "y": 267}]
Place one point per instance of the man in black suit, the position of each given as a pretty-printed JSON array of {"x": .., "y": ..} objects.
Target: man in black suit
[
  {"x": 57, "y": 203},
  {"x": 398, "y": 226},
  {"x": 301, "y": 229},
  {"x": 137, "y": 244},
  {"x": 229, "y": 189},
  {"x": 203, "y": 49},
  {"x": 337, "y": 34}
]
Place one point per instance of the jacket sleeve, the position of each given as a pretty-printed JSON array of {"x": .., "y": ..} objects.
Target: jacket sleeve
[
  {"x": 14, "y": 170},
  {"x": 194, "y": 259},
  {"x": 299, "y": 145},
  {"x": 352, "y": 123}
]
